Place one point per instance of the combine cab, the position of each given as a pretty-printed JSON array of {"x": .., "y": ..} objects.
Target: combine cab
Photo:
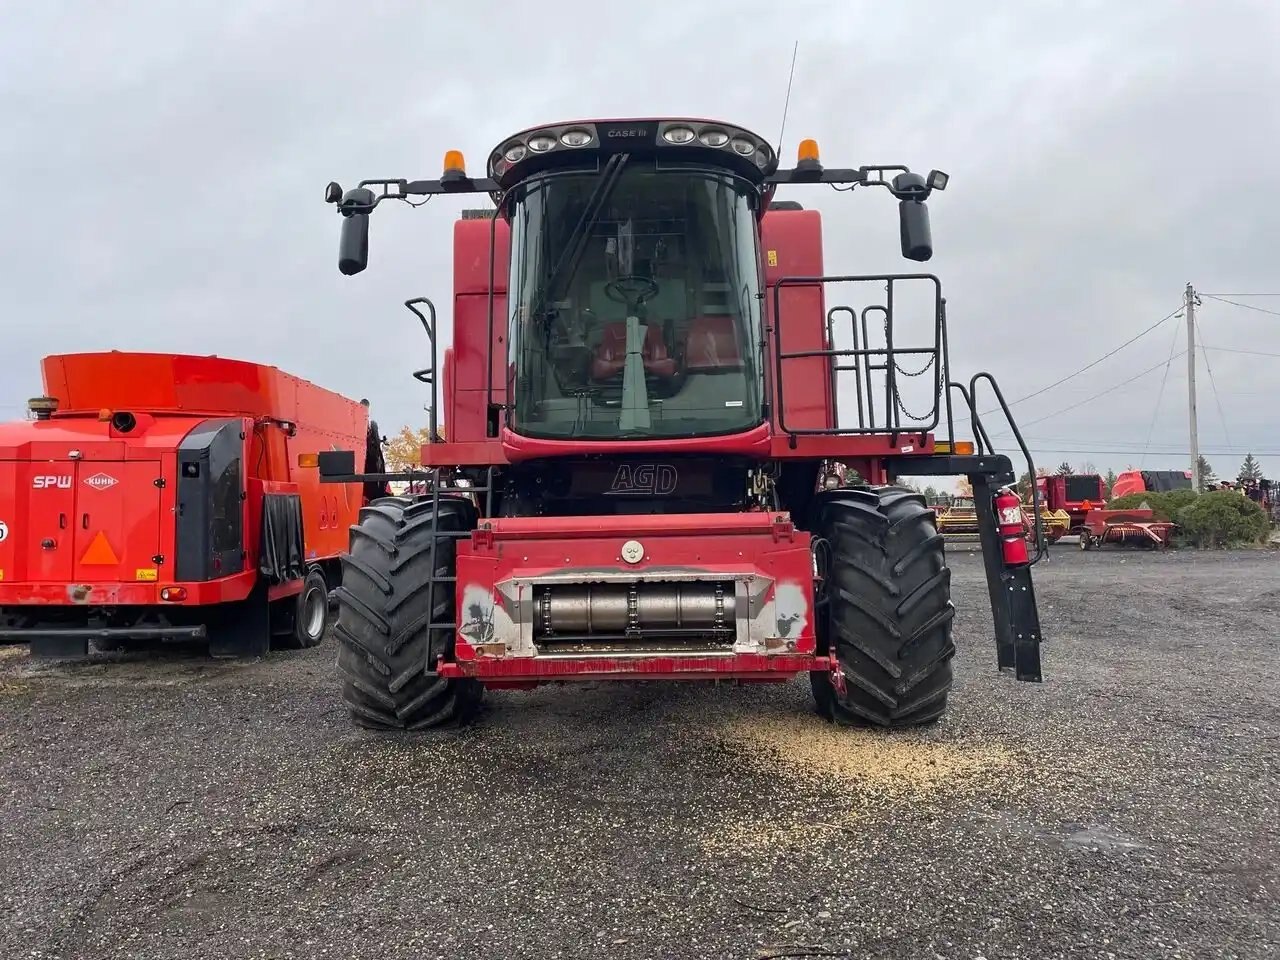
[
  {"x": 160, "y": 497},
  {"x": 673, "y": 441},
  {"x": 1071, "y": 496}
]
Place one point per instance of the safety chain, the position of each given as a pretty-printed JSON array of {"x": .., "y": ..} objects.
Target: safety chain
[
  {"x": 898, "y": 367},
  {"x": 897, "y": 396}
]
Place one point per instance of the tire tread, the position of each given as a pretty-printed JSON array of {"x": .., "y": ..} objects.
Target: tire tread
[
  {"x": 387, "y": 650},
  {"x": 889, "y": 614}
]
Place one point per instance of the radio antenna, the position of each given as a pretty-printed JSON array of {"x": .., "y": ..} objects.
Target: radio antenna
[{"x": 787, "y": 102}]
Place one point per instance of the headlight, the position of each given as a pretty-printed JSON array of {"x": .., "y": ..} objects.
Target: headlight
[
  {"x": 742, "y": 147},
  {"x": 678, "y": 135},
  {"x": 541, "y": 143},
  {"x": 714, "y": 138},
  {"x": 575, "y": 138},
  {"x": 515, "y": 153}
]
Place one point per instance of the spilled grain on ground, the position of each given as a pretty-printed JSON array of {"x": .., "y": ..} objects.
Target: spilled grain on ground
[
  {"x": 846, "y": 777},
  {"x": 902, "y": 764}
]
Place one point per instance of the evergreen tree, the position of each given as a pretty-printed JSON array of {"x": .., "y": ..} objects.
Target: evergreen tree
[
  {"x": 1249, "y": 470},
  {"x": 1109, "y": 480},
  {"x": 1064, "y": 468},
  {"x": 1204, "y": 470}
]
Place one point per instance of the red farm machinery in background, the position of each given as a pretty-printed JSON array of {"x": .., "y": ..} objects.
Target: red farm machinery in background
[
  {"x": 168, "y": 497},
  {"x": 653, "y": 393},
  {"x": 1075, "y": 494},
  {"x": 1125, "y": 528},
  {"x": 1150, "y": 481}
]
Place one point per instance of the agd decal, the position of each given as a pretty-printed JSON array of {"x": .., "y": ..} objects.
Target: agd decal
[{"x": 645, "y": 479}]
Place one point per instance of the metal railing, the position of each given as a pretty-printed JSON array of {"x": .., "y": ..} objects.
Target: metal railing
[
  {"x": 428, "y": 373},
  {"x": 876, "y": 370}
]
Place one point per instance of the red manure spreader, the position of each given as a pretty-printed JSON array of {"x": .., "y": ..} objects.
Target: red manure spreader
[
  {"x": 652, "y": 395},
  {"x": 1125, "y": 528},
  {"x": 170, "y": 497}
]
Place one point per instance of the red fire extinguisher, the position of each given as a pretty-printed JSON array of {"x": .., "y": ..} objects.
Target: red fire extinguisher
[{"x": 1010, "y": 524}]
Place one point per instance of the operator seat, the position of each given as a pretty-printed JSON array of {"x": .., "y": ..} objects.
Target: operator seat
[{"x": 611, "y": 354}]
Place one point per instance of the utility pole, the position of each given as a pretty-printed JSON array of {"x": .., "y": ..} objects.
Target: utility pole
[{"x": 1189, "y": 307}]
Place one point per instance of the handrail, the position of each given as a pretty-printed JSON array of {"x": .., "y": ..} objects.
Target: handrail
[
  {"x": 1041, "y": 552},
  {"x": 871, "y": 367},
  {"x": 836, "y": 368},
  {"x": 945, "y": 373},
  {"x": 982, "y": 442},
  {"x": 427, "y": 375},
  {"x": 890, "y": 354}
]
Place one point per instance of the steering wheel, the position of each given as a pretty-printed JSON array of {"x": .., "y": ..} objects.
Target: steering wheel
[{"x": 631, "y": 290}]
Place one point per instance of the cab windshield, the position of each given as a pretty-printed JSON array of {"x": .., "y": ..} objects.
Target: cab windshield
[{"x": 634, "y": 296}]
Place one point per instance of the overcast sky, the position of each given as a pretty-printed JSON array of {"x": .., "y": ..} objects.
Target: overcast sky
[{"x": 165, "y": 164}]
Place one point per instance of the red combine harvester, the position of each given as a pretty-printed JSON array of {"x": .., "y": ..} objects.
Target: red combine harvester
[
  {"x": 1075, "y": 494},
  {"x": 642, "y": 479},
  {"x": 1150, "y": 481},
  {"x": 159, "y": 496}
]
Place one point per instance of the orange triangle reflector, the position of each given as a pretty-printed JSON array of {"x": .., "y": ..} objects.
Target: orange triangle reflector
[{"x": 100, "y": 553}]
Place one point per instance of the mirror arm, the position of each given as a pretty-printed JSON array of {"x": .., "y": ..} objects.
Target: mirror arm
[
  {"x": 818, "y": 175},
  {"x": 401, "y": 189},
  {"x": 447, "y": 185},
  {"x": 870, "y": 175}
]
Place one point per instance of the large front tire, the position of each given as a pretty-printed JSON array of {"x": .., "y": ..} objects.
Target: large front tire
[
  {"x": 387, "y": 652},
  {"x": 886, "y": 611}
]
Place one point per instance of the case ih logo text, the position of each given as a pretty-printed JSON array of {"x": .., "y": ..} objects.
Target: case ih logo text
[
  {"x": 101, "y": 481},
  {"x": 652, "y": 479},
  {"x": 50, "y": 483}
]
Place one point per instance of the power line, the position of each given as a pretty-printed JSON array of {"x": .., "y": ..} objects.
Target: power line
[
  {"x": 1155, "y": 413},
  {"x": 1058, "y": 383},
  {"x": 1214, "y": 387},
  {"x": 1246, "y": 306},
  {"x": 1097, "y": 396},
  {"x": 1252, "y": 353},
  {"x": 1215, "y": 295}
]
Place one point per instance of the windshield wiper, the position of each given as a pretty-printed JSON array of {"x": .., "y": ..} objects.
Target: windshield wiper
[{"x": 576, "y": 244}]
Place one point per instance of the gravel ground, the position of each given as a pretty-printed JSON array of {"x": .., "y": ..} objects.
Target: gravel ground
[{"x": 1127, "y": 807}]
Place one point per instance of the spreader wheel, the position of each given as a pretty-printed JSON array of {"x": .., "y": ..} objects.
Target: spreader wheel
[
  {"x": 387, "y": 651},
  {"x": 886, "y": 609}
]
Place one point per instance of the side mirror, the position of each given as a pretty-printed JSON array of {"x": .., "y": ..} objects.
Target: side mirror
[
  {"x": 913, "y": 222},
  {"x": 353, "y": 245}
]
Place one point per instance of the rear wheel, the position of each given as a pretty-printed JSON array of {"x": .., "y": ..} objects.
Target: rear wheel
[
  {"x": 302, "y": 621},
  {"x": 387, "y": 651},
  {"x": 887, "y": 609}
]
